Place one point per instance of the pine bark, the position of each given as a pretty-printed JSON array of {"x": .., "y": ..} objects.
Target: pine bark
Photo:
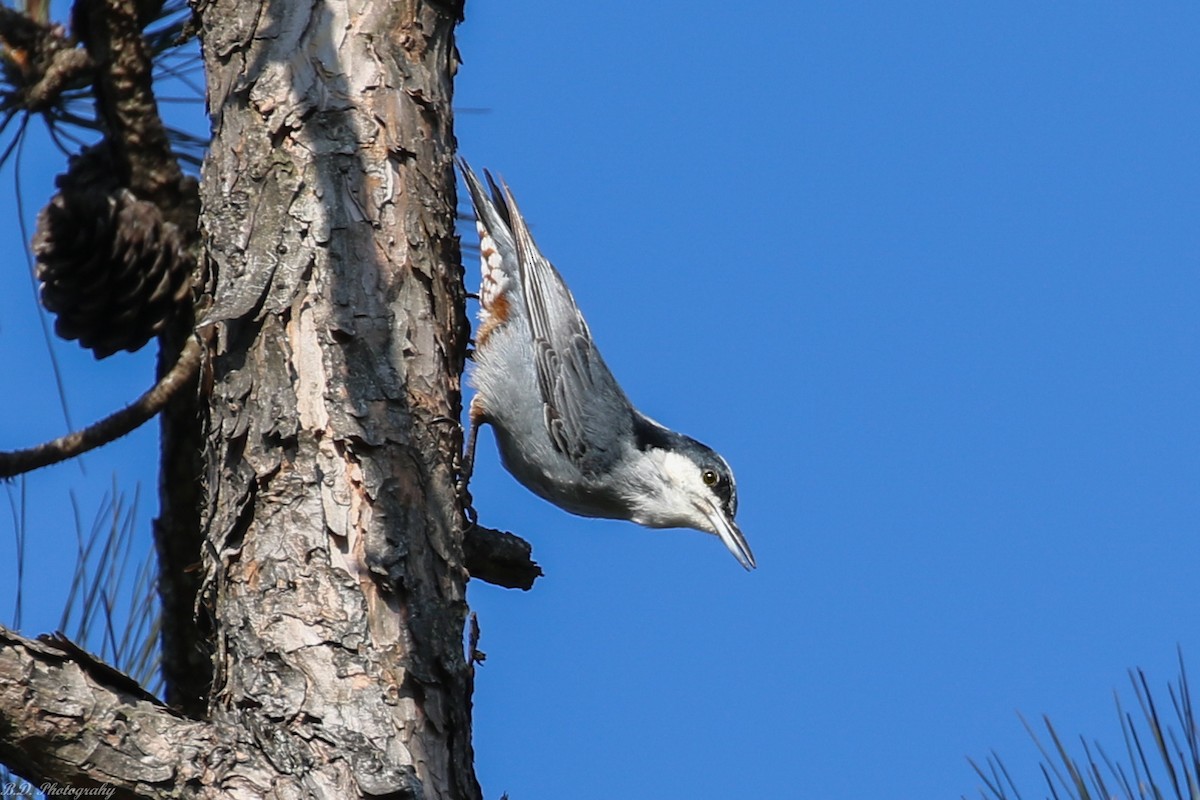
[
  {"x": 332, "y": 572},
  {"x": 338, "y": 587}
]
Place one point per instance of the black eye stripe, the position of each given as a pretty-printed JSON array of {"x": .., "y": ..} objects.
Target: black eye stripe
[{"x": 722, "y": 485}]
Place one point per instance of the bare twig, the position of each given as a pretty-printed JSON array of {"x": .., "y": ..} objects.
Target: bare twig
[
  {"x": 500, "y": 558},
  {"x": 65, "y": 67},
  {"x": 125, "y": 101},
  {"x": 44, "y": 61},
  {"x": 111, "y": 427}
]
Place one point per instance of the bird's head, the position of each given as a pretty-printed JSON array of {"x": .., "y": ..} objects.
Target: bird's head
[{"x": 694, "y": 489}]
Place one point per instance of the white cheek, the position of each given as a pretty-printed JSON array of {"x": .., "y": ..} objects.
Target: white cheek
[
  {"x": 684, "y": 477},
  {"x": 679, "y": 471}
]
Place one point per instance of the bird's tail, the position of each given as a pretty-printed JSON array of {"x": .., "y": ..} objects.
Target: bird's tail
[{"x": 498, "y": 261}]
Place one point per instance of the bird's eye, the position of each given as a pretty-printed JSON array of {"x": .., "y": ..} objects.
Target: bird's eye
[{"x": 709, "y": 477}]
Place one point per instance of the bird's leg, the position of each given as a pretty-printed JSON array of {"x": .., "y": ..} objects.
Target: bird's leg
[
  {"x": 467, "y": 465},
  {"x": 463, "y": 473}
]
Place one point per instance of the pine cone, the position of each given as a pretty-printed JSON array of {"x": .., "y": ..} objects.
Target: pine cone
[
  {"x": 112, "y": 270},
  {"x": 92, "y": 170}
]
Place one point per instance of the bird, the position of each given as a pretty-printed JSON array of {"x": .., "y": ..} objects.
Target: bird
[{"x": 564, "y": 427}]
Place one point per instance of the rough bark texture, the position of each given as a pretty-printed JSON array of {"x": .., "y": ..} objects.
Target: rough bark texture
[
  {"x": 333, "y": 576},
  {"x": 70, "y": 721},
  {"x": 185, "y": 641},
  {"x": 125, "y": 99},
  {"x": 500, "y": 558},
  {"x": 337, "y": 585}
]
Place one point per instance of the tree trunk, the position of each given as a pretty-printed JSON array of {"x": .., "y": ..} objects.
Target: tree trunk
[
  {"x": 338, "y": 588},
  {"x": 333, "y": 579}
]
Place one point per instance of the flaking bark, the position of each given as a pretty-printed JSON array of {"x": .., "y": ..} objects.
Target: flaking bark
[
  {"x": 67, "y": 720},
  {"x": 338, "y": 590},
  {"x": 333, "y": 572}
]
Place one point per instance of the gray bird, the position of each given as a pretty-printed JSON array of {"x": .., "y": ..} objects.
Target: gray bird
[{"x": 563, "y": 424}]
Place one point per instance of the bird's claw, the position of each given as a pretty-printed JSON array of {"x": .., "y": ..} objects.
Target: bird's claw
[{"x": 465, "y": 502}]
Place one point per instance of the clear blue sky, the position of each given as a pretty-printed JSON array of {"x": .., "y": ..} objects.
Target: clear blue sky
[{"x": 928, "y": 275}]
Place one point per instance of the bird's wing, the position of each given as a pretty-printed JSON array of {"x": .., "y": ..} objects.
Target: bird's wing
[{"x": 585, "y": 410}]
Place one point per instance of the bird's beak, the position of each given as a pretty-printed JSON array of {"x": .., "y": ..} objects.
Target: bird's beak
[{"x": 730, "y": 534}]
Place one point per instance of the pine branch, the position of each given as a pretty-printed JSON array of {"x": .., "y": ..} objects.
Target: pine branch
[
  {"x": 73, "y": 721},
  {"x": 111, "y": 427},
  {"x": 500, "y": 558}
]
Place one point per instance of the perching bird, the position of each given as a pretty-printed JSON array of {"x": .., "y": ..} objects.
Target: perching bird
[{"x": 563, "y": 424}]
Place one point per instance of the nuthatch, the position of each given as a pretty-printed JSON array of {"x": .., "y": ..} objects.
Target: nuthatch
[{"x": 563, "y": 424}]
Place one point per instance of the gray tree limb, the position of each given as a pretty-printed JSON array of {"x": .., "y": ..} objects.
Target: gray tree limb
[
  {"x": 111, "y": 427},
  {"x": 68, "y": 720}
]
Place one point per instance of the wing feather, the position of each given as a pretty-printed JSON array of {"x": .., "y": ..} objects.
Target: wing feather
[{"x": 586, "y": 412}]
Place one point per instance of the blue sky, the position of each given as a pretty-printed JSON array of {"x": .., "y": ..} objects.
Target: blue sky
[{"x": 927, "y": 274}]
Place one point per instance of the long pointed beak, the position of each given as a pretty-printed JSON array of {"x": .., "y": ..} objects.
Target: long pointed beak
[{"x": 730, "y": 534}]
